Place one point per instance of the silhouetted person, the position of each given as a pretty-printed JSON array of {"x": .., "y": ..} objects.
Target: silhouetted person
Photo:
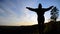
[{"x": 40, "y": 12}]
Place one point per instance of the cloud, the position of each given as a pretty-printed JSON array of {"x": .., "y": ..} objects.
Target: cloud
[{"x": 10, "y": 17}]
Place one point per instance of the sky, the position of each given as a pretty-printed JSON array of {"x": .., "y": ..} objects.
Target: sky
[{"x": 14, "y": 12}]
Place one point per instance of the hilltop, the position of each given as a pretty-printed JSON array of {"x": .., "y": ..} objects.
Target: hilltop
[{"x": 49, "y": 28}]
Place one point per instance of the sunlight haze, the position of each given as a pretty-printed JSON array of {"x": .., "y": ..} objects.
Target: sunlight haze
[{"x": 14, "y": 12}]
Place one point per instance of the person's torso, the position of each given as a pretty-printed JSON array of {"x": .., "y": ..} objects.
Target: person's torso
[{"x": 40, "y": 12}]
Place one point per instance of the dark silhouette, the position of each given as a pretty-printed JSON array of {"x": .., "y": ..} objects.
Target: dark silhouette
[
  {"x": 50, "y": 28},
  {"x": 54, "y": 14},
  {"x": 40, "y": 12}
]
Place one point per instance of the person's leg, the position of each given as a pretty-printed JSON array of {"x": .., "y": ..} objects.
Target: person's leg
[{"x": 41, "y": 25}]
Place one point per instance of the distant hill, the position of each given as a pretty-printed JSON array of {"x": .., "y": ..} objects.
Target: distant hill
[{"x": 51, "y": 27}]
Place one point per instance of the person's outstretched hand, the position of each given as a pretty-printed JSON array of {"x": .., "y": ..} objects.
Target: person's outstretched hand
[
  {"x": 52, "y": 6},
  {"x": 27, "y": 7}
]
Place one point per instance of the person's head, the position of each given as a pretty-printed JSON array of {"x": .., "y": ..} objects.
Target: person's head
[{"x": 40, "y": 6}]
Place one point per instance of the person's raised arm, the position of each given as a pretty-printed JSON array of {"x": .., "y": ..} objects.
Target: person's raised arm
[
  {"x": 46, "y": 9},
  {"x": 32, "y": 9}
]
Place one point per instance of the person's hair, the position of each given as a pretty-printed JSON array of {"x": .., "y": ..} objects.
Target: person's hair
[{"x": 40, "y": 6}]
